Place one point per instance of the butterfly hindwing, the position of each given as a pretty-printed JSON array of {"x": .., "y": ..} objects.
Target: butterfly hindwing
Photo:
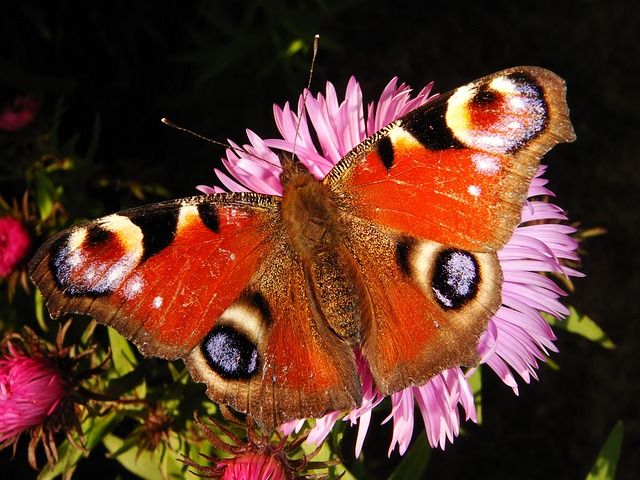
[
  {"x": 430, "y": 303},
  {"x": 287, "y": 364}
]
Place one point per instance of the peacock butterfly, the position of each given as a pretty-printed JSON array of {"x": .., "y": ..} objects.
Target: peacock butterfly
[{"x": 394, "y": 253}]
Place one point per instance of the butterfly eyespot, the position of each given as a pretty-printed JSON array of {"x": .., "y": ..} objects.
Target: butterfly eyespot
[
  {"x": 91, "y": 261},
  {"x": 62, "y": 259},
  {"x": 404, "y": 247},
  {"x": 96, "y": 235},
  {"x": 455, "y": 278},
  {"x": 230, "y": 353},
  {"x": 261, "y": 306},
  {"x": 500, "y": 117}
]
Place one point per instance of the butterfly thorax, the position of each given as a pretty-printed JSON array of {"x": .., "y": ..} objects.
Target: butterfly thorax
[{"x": 311, "y": 223}]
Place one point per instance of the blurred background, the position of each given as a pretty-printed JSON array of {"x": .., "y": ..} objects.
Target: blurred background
[{"x": 106, "y": 72}]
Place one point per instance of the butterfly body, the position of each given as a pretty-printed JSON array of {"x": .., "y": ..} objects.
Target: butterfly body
[
  {"x": 314, "y": 229},
  {"x": 393, "y": 253}
]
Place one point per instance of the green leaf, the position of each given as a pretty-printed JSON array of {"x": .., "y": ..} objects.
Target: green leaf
[
  {"x": 87, "y": 334},
  {"x": 131, "y": 382},
  {"x": 295, "y": 46},
  {"x": 44, "y": 194},
  {"x": 94, "y": 428},
  {"x": 475, "y": 381},
  {"x": 158, "y": 465},
  {"x": 582, "y": 325},
  {"x": 122, "y": 355},
  {"x": 124, "y": 362},
  {"x": 40, "y": 315},
  {"x": 415, "y": 462},
  {"x": 606, "y": 464}
]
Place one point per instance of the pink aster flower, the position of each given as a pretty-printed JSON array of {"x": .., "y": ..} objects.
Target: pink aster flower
[
  {"x": 31, "y": 388},
  {"x": 517, "y": 337},
  {"x": 33, "y": 394},
  {"x": 40, "y": 392},
  {"x": 18, "y": 114},
  {"x": 14, "y": 244},
  {"x": 253, "y": 465},
  {"x": 256, "y": 458}
]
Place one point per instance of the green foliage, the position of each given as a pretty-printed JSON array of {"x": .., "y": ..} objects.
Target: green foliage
[
  {"x": 95, "y": 428},
  {"x": 158, "y": 465},
  {"x": 415, "y": 461},
  {"x": 606, "y": 464},
  {"x": 583, "y": 325}
]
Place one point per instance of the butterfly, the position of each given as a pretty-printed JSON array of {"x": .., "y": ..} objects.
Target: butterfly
[{"x": 393, "y": 254}]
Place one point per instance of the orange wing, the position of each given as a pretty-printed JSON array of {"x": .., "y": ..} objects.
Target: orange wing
[
  {"x": 209, "y": 279},
  {"x": 457, "y": 170},
  {"x": 428, "y": 201},
  {"x": 418, "y": 210},
  {"x": 161, "y": 274},
  {"x": 299, "y": 368}
]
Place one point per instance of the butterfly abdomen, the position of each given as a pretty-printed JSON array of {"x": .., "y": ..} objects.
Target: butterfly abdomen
[{"x": 311, "y": 223}]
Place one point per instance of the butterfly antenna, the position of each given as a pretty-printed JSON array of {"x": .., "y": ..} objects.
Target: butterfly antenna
[
  {"x": 316, "y": 40},
  {"x": 237, "y": 150},
  {"x": 166, "y": 121}
]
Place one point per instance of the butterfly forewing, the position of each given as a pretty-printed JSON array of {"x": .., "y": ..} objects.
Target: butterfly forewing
[
  {"x": 161, "y": 275},
  {"x": 457, "y": 169}
]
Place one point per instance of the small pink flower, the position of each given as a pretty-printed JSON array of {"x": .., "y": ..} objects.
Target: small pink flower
[
  {"x": 257, "y": 457},
  {"x": 18, "y": 114},
  {"x": 253, "y": 465},
  {"x": 41, "y": 393},
  {"x": 31, "y": 388},
  {"x": 15, "y": 243},
  {"x": 517, "y": 337}
]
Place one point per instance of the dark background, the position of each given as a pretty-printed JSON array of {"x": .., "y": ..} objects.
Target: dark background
[{"x": 218, "y": 67}]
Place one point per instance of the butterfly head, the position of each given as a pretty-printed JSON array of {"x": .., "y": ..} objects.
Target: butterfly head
[{"x": 293, "y": 170}]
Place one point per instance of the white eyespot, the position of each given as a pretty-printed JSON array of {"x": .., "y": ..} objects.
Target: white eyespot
[
  {"x": 133, "y": 287},
  {"x": 517, "y": 103},
  {"x": 485, "y": 163},
  {"x": 515, "y": 113},
  {"x": 474, "y": 190},
  {"x": 157, "y": 302}
]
